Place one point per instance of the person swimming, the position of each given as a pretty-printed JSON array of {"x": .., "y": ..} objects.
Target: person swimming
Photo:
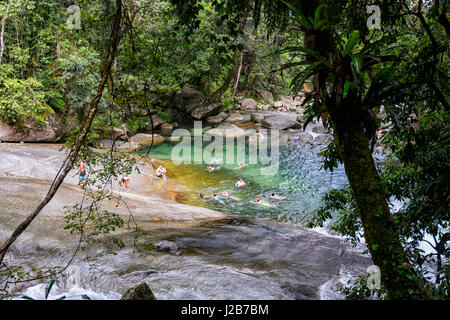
[
  {"x": 202, "y": 195},
  {"x": 263, "y": 203},
  {"x": 239, "y": 184},
  {"x": 241, "y": 165},
  {"x": 274, "y": 196},
  {"x": 215, "y": 161},
  {"x": 228, "y": 195},
  {"x": 216, "y": 198},
  {"x": 212, "y": 169}
]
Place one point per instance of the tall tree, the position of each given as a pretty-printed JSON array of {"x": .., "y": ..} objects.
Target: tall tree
[
  {"x": 347, "y": 87},
  {"x": 69, "y": 163}
]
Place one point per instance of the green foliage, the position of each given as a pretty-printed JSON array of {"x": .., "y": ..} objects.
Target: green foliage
[
  {"x": 357, "y": 290},
  {"x": 22, "y": 99}
]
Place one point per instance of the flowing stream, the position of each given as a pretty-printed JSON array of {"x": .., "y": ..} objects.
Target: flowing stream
[{"x": 257, "y": 253}]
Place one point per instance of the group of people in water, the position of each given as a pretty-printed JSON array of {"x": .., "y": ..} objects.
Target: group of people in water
[
  {"x": 239, "y": 184},
  {"x": 227, "y": 195},
  {"x": 161, "y": 172}
]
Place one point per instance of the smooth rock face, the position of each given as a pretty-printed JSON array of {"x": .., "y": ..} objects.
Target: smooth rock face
[
  {"x": 319, "y": 129},
  {"x": 112, "y": 133},
  {"x": 234, "y": 117},
  {"x": 166, "y": 129},
  {"x": 145, "y": 139},
  {"x": 265, "y": 95},
  {"x": 124, "y": 146},
  {"x": 280, "y": 121},
  {"x": 227, "y": 131},
  {"x": 306, "y": 138},
  {"x": 217, "y": 119},
  {"x": 140, "y": 292},
  {"x": 257, "y": 117},
  {"x": 323, "y": 139},
  {"x": 202, "y": 111},
  {"x": 278, "y": 104},
  {"x": 248, "y": 103},
  {"x": 31, "y": 132}
]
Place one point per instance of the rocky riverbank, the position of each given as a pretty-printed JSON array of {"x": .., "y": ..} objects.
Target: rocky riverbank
[{"x": 199, "y": 253}]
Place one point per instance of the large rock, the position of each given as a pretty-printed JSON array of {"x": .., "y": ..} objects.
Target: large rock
[
  {"x": 121, "y": 146},
  {"x": 323, "y": 139},
  {"x": 145, "y": 139},
  {"x": 257, "y": 117},
  {"x": 306, "y": 138},
  {"x": 265, "y": 95},
  {"x": 112, "y": 133},
  {"x": 278, "y": 104},
  {"x": 166, "y": 129},
  {"x": 217, "y": 119},
  {"x": 234, "y": 117},
  {"x": 227, "y": 131},
  {"x": 203, "y": 111},
  {"x": 31, "y": 131},
  {"x": 157, "y": 121},
  {"x": 319, "y": 129},
  {"x": 248, "y": 103},
  {"x": 188, "y": 93},
  {"x": 281, "y": 121},
  {"x": 139, "y": 292}
]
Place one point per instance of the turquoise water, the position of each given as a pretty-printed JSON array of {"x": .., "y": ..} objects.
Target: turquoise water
[{"x": 299, "y": 178}]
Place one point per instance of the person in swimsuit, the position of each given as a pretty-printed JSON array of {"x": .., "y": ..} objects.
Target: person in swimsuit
[
  {"x": 228, "y": 195},
  {"x": 215, "y": 161},
  {"x": 216, "y": 198},
  {"x": 263, "y": 203},
  {"x": 202, "y": 195},
  {"x": 240, "y": 183},
  {"x": 274, "y": 196},
  {"x": 241, "y": 165},
  {"x": 82, "y": 172},
  {"x": 125, "y": 181},
  {"x": 211, "y": 168},
  {"x": 161, "y": 172}
]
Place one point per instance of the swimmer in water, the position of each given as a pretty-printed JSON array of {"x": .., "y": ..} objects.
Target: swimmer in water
[
  {"x": 215, "y": 161},
  {"x": 228, "y": 195},
  {"x": 274, "y": 196},
  {"x": 241, "y": 165},
  {"x": 240, "y": 183},
  {"x": 212, "y": 169},
  {"x": 263, "y": 203},
  {"x": 216, "y": 198},
  {"x": 202, "y": 195}
]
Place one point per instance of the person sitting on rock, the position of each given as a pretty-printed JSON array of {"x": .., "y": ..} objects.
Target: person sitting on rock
[
  {"x": 82, "y": 171},
  {"x": 125, "y": 181},
  {"x": 161, "y": 172}
]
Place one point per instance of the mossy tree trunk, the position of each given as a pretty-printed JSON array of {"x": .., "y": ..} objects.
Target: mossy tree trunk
[{"x": 352, "y": 124}]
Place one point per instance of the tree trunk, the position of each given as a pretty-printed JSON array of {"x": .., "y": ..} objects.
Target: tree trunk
[
  {"x": 74, "y": 152},
  {"x": 348, "y": 118},
  {"x": 230, "y": 76},
  {"x": 2, "y": 32},
  {"x": 379, "y": 231},
  {"x": 237, "y": 78}
]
